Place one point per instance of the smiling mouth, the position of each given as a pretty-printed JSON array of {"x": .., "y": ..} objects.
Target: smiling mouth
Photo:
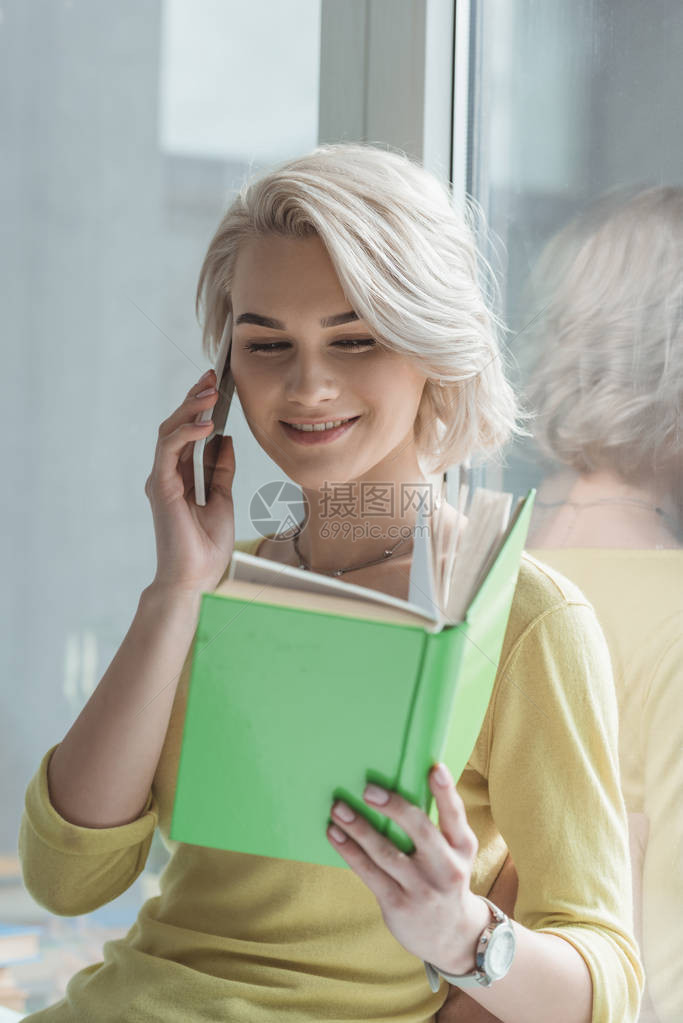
[
  {"x": 320, "y": 427},
  {"x": 318, "y": 433}
]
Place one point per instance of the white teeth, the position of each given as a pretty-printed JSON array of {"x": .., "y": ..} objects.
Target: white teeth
[{"x": 310, "y": 427}]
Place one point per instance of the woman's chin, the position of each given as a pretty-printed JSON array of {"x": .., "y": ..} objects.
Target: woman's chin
[
  {"x": 320, "y": 477},
  {"x": 313, "y": 467}
]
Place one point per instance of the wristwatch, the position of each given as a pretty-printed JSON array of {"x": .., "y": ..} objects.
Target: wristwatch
[{"x": 494, "y": 954}]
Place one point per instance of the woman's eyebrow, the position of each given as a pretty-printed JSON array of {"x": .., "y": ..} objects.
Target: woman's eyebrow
[{"x": 268, "y": 321}]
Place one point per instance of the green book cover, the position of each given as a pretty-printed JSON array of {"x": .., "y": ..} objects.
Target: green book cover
[{"x": 290, "y": 708}]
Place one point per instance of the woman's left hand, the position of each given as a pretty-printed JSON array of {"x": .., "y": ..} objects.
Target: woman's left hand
[{"x": 425, "y": 897}]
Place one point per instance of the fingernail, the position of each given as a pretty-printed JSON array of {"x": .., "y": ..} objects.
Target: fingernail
[
  {"x": 344, "y": 812},
  {"x": 337, "y": 833},
  {"x": 442, "y": 775},
  {"x": 205, "y": 376},
  {"x": 375, "y": 794}
]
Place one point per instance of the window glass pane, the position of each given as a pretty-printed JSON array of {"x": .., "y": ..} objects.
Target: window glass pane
[
  {"x": 575, "y": 109},
  {"x": 127, "y": 129},
  {"x": 576, "y": 158}
]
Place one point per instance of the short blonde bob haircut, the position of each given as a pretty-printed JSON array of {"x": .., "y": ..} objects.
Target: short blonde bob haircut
[
  {"x": 408, "y": 264},
  {"x": 607, "y": 338}
]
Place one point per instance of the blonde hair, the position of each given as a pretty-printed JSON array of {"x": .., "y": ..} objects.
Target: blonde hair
[
  {"x": 606, "y": 342},
  {"x": 407, "y": 262}
]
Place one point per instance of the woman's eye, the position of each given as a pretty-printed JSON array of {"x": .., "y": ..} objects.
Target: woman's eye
[
  {"x": 273, "y": 346},
  {"x": 358, "y": 342},
  {"x": 252, "y": 347}
]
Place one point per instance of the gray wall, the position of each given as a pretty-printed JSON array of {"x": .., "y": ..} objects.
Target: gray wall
[{"x": 112, "y": 186}]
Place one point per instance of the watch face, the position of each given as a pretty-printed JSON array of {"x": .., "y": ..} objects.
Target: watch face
[{"x": 500, "y": 952}]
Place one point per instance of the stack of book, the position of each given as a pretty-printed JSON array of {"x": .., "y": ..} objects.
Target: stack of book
[{"x": 304, "y": 687}]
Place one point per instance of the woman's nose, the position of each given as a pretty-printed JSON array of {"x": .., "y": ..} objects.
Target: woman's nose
[{"x": 309, "y": 381}]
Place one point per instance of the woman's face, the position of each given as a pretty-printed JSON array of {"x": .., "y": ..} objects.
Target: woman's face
[{"x": 313, "y": 371}]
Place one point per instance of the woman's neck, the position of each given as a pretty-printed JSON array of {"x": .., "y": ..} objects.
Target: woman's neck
[
  {"x": 602, "y": 510},
  {"x": 349, "y": 524},
  {"x": 353, "y": 522}
]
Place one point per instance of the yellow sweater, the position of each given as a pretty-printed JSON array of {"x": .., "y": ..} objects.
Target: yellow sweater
[
  {"x": 638, "y": 598},
  {"x": 254, "y": 939}
]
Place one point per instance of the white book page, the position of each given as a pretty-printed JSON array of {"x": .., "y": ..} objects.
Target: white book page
[
  {"x": 439, "y": 546},
  {"x": 468, "y": 554},
  {"x": 248, "y": 568},
  {"x": 455, "y": 545},
  {"x": 500, "y": 517},
  {"x": 481, "y": 537},
  {"x": 421, "y": 592}
]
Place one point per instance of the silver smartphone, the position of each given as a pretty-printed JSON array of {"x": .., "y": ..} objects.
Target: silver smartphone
[{"x": 206, "y": 449}]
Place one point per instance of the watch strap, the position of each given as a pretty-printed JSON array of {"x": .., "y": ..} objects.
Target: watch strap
[
  {"x": 466, "y": 980},
  {"x": 476, "y": 977}
]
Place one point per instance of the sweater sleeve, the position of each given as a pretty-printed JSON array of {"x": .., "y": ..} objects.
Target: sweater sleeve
[
  {"x": 69, "y": 869},
  {"x": 662, "y": 887},
  {"x": 556, "y": 799}
]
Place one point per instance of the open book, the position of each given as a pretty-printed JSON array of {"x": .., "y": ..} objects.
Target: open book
[{"x": 304, "y": 687}]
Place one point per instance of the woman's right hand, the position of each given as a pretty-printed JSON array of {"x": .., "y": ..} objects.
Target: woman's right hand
[{"x": 194, "y": 542}]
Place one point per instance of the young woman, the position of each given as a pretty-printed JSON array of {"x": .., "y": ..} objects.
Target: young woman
[
  {"x": 608, "y": 391},
  {"x": 355, "y": 292}
]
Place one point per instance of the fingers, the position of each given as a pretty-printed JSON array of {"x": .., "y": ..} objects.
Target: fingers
[
  {"x": 194, "y": 403},
  {"x": 177, "y": 433},
  {"x": 224, "y": 470},
  {"x": 402, "y": 867},
  {"x": 453, "y": 822},
  {"x": 381, "y": 864}
]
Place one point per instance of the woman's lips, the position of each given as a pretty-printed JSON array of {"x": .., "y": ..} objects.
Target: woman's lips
[{"x": 317, "y": 436}]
